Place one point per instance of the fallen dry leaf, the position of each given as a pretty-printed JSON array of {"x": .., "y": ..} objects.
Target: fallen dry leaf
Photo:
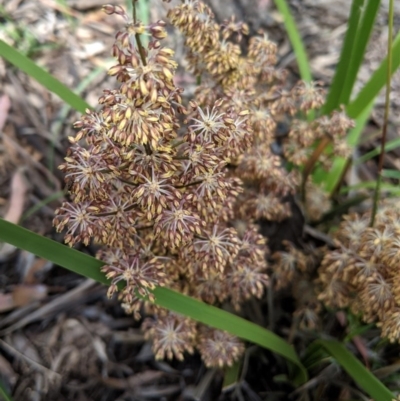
[
  {"x": 15, "y": 208},
  {"x": 4, "y": 108},
  {"x": 139, "y": 379},
  {"x": 6, "y": 302},
  {"x": 22, "y": 295},
  {"x": 17, "y": 198},
  {"x": 34, "y": 270},
  {"x": 25, "y": 294}
]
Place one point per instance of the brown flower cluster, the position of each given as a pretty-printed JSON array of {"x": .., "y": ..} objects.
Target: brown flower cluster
[
  {"x": 295, "y": 269},
  {"x": 174, "y": 191},
  {"x": 153, "y": 185},
  {"x": 362, "y": 272}
]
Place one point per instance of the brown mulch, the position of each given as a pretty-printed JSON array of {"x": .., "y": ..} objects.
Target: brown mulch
[{"x": 60, "y": 337}]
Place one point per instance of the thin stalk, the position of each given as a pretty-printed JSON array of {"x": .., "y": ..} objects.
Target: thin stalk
[
  {"x": 189, "y": 185},
  {"x": 137, "y": 36},
  {"x": 386, "y": 116},
  {"x": 142, "y": 57},
  {"x": 308, "y": 168}
]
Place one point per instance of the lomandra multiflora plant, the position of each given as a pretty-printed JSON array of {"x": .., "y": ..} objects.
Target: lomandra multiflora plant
[
  {"x": 362, "y": 272},
  {"x": 173, "y": 192}
]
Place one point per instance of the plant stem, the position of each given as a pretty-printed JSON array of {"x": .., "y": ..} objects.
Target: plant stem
[
  {"x": 386, "y": 116},
  {"x": 308, "y": 168},
  {"x": 137, "y": 36}
]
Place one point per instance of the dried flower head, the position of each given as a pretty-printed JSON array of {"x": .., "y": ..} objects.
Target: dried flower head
[
  {"x": 172, "y": 335},
  {"x": 219, "y": 348}
]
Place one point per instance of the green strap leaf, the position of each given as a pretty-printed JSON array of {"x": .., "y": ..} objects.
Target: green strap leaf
[
  {"x": 336, "y": 88},
  {"x": 391, "y": 174},
  {"x": 232, "y": 375},
  {"x": 377, "y": 81},
  {"x": 359, "y": 373},
  {"x": 295, "y": 40},
  {"x": 88, "y": 266},
  {"x": 363, "y": 34},
  {"x": 390, "y": 188},
  {"x": 43, "y": 77},
  {"x": 4, "y": 396}
]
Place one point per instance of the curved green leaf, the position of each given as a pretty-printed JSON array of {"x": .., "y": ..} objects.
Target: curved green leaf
[
  {"x": 342, "y": 68},
  {"x": 3, "y": 393},
  {"x": 364, "y": 30},
  {"x": 88, "y": 266},
  {"x": 295, "y": 40},
  {"x": 363, "y": 377},
  {"x": 391, "y": 174},
  {"x": 232, "y": 375},
  {"x": 393, "y": 144},
  {"x": 377, "y": 81},
  {"x": 43, "y": 77},
  {"x": 390, "y": 188}
]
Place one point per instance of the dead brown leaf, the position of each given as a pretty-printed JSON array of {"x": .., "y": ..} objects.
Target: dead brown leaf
[{"x": 138, "y": 379}]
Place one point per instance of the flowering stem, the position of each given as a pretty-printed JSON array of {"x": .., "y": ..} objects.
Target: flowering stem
[
  {"x": 137, "y": 36},
  {"x": 311, "y": 163},
  {"x": 127, "y": 209},
  {"x": 128, "y": 182},
  {"x": 189, "y": 185},
  {"x": 386, "y": 116},
  {"x": 141, "y": 49},
  {"x": 144, "y": 227},
  {"x": 134, "y": 10},
  {"x": 176, "y": 144}
]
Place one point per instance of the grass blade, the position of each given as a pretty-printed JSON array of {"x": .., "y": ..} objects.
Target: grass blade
[
  {"x": 389, "y": 188},
  {"x": 363, "y": 377},
  {"x": 37, "y": 206},
  {"x": 295, "y": 40},
  {"x": 358, "y": 51},
  {"x": 335, "y": 92},
  {"x": 393, "y": 144},
  {"x": 88, "y": 266},
  {"x": 43, "y": 77},
  {"x": 3, "y": 393},
  {"x": 375, "y": 83},
  {"x": 391, "y": 174},
  {"x": 232, "y": 375}
]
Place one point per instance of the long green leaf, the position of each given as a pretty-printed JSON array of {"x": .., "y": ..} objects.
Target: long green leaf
[
  {"x": 4, "y": 396},
  {"x": 358, "y": 51},
  {"x": 336, "y": 88},
  {"x": 389, "y": 188},
  {"x": 88, "y": 266},
  {"x": 391, "y": 174},
  {"x": 295, "y": 40},
  {"x": 360, "y": 110},
  {"x": 375, "y": 83},
  {"x": 231, "y": 375},
  {"x": 43, "y": 77},
  {"x": 393, "y": 144},
  {"x": 363, "y": 377}
]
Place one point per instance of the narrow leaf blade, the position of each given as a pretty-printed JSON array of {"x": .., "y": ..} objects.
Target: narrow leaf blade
[
  {"x": 3, "y": 393},
  {"x": 336, "y": 88},
  {"x": 359, "y": 47},
  {"x": 363, "y": 377},
  {"x": 375, "y": 84},
  {"x": 295, "y": 40},
  {"x": 25, "y": 64},
  {"x": 88, "y": 266}
]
